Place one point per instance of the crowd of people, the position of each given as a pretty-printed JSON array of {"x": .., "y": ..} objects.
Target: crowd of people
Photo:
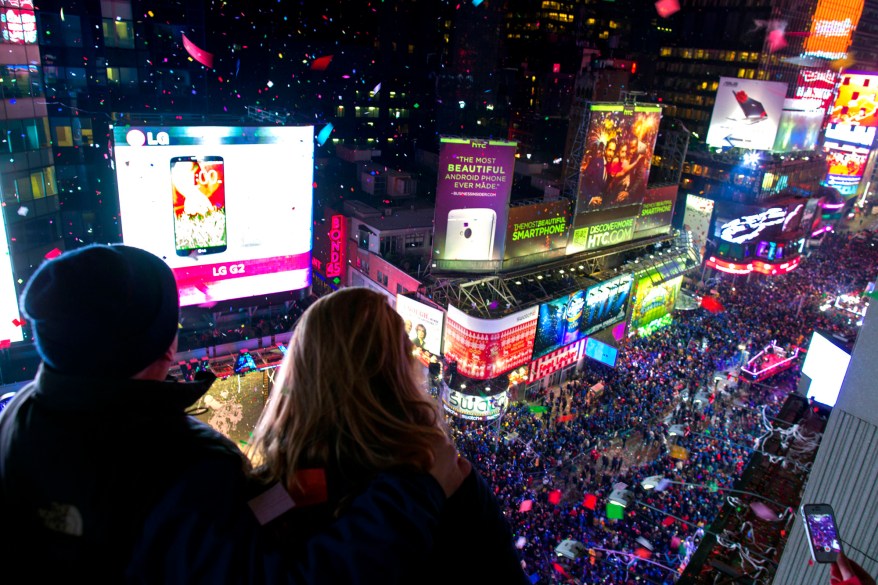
[{"x": 554, "y": 469}]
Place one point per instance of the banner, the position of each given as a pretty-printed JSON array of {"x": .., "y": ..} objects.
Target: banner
[
  {"x": 486, "y": 348},
  {"x": 472, "y": 198},
  {"x": 539, "y": 227},
  {"x": 746, "y": 113},
  {"x": 423, "y": 323}
]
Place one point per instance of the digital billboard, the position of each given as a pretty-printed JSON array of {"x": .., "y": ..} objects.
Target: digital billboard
[
  {"x": 657, "y": 209},
  {"x": 816, "y": 86},
  {"x": 653, "y": 301},
  {"x": 619, "y": 144},
  {"x": 696, "y": 219},
  {"x": 600, "y": 351},
  {"x": 576, "y": 315},
  {"x": 228, "y": 208},
  {"x": 741, "y": 224},
  {"x": 599, "y": 229},
  {"x": 18, "y": 22},
  {"x": 422, "y": 322},
  {"x": 746, "y": 113},
  {"x": 861, "y": 135},
  {"x": 826, "y": 365},
  {"x": 556, "y": 360},
  {"x": 855, "y": 103},
  {"x": 845, "y": 165},
  {"x": 798, "y": 130},
  {"x": 536, "y": 228},
  {"x": 471, "y": 407},
  {"x": 486, "y": 348},
  {"x": 10, "y": 325},
  {"x": 472, "y": 198},
  {"x": 832, "y": 26}
]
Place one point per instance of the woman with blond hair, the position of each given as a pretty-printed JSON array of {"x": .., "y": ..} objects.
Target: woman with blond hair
[{"x": 348, "y": 403}]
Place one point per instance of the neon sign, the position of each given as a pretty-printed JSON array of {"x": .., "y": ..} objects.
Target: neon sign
[
  {"x": 755, "y": 266},
  {"x": 748, "y": 227},
  {"x": 337, "y": 238},
  {"x": 18, "y": 26}
]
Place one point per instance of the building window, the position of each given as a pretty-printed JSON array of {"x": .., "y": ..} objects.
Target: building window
[{"x": 118, "y": 33}]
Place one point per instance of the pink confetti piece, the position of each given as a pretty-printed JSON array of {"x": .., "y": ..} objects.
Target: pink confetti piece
[
  {"x": 5, "y": 343},
  {"x": 519, "y": 544},
  {"x": 776, "y": 40},
  {"x": 54, "y": 253},
  {"x": 526, "y": 506},
  {"x": 764, "y": 512},
  {"x": 197, "y": 53},
  {"x": 555, "y": 497},
  {"x": 666, "y": 8}
]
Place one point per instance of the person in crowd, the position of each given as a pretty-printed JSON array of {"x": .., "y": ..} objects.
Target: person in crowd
[
  {"x": 349, "y": 403},
  {"x": 104, "y": 478}
]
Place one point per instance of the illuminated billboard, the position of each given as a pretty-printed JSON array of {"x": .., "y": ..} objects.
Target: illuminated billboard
[
  {"x": 746, "y": 113},
  {"x": 653, "y": 301},
  {"x": 18, "y": 21},
  {"x": 845, "y": 164},
  {"x": 696, "y": 219},
  {"x": 471, "y": 407},
  {"x": 832, "y": 26},
  {"x": 861, "y": 135},
  {"x": 600, "y": 229},
  {"x": 740, "y": 224},
  {"x": 556, "y": 360},
  {"x": 472, "y": 199},
  {"x": 537, "y": 228},
  {"x": 228, "y": 208},
  {"x": 581, "y": 313},
  {"x": 422, "y": 322},
  {"x": 600, "y": 351},
  {"x": 486, "y": 348},
  {"x": 798, "y": 130},
  {"x": 657, "y": 210},
  {"x": 10, "y": 325},
  {"x": 816, "y": 86},
  {"x": 619, "y": 144},
  {"x": 856, "y": 101}
]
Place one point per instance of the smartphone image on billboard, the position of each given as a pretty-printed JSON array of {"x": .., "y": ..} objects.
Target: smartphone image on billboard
[
  {"x": 199, "y": 200},
  {"x": 470, "y": 234},
  {"x": 822, "y": 532}
]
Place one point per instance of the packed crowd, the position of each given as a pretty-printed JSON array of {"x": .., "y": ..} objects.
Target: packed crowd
[{"x": 554, "y": 467}]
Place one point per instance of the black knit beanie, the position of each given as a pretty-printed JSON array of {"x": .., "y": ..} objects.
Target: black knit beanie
[{"x": 105, "y": 311}]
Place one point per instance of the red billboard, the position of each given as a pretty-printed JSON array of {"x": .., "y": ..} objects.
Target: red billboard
[
  {"x": 472, "y": 198},
  {"x": 486, "y": 348},
  {"x": 816, "y": 86}
]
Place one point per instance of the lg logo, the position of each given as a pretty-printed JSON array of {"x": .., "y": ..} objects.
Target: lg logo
[{"x": 138, "y": 138}]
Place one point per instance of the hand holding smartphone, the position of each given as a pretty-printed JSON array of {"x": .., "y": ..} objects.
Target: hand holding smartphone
[{"x": 822, "y": 532}]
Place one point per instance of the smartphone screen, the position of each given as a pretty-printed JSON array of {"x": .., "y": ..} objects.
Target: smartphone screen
[
  {"x": 822, "y": 531},
  {"x": 199, "y": 200}
]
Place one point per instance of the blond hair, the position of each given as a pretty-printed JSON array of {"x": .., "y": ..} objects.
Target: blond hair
[{"x": 348, "y": 393}]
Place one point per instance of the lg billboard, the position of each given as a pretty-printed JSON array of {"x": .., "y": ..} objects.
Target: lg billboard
[
  {"x": 228, "y": 208},
  {"x": 472, "y": 198}
]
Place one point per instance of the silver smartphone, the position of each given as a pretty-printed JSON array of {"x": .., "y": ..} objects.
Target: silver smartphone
[
  {"x": 470, "y": 234},
  {"x": 822, "y": 532}
]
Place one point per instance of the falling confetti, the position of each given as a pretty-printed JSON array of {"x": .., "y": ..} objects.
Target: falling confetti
[
  {"x": 53, "y": 253},
  {"x": 324, "y": 134},
  {"x": 555, "y": 497},
  {"x": 198, "y": 54},
  {"x": 321, "y": 63},
  {"x": 23, "y": 211},
  {"x": 590, "y": 501},
  {"x": 666, "y": 8},
  {"x": 520, "y": 542}
]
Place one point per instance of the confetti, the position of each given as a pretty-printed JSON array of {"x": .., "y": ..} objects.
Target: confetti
[
  {"x": 324, "y": 134},
  {"x": 615, "y": 512},
  {"x": 53, "y": 253},
  {"x": 321, "y": 63},
  {"x": 23, "y": 211},
  {"x": 776, "y": 40},
  {"x": 376, "y": 89},
  {"x": 555, "y": 497},
  {"x": 667, "y": 521},
  {"x": 764, "y": 512},
  {"x": 526, "y": 506},
  {"x": 666, "y": 8},
  {"x": 590, "y": 501},
  {"x": 520, "y": 542},
  {"x": 198, "y": 54}
]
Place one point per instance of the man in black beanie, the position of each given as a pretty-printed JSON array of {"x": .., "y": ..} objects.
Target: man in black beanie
[{"x": 105, "y": 478}]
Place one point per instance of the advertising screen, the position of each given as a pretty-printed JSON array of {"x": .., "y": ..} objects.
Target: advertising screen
[
  {"x": 746, "y": 113},
  {"x": 486, "y": 348},
  {"x": 422, "y": 322},
  {"x": 860, "y": 135},
  {"x": 740, "y": 224},
  {"x": 845, "y": 165},
  {"x": 657, "y": 210},
  {"x": 798, "y": 130},
  {"x": 600, "y": 229},
  {"x": 826, "y": 364},
  {"x": 18, "y": 22},
  {"x": 228, "y": 208},
  {"x": 653, "y": 301},
  {"x": 618, "y": 153},
  {"x": 816, "y": 86},
  {"x": 472, "y": 197},
  {"x": 696, "y": 219},
  {"x": 471, "y": 407},
  {"x": 579, "y": 314},
  {"x": 856, "y": 101},
  {"x": 9, "y": 331},
  {"x": 537, "y": 228},
  {"x": 556, "y": 360},
  {"x": 832, "y": 26},
  {"x": 599, "y": 351}
]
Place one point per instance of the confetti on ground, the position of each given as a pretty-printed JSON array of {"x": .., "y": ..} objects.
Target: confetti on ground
[{"x": 666, "y": 8}]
